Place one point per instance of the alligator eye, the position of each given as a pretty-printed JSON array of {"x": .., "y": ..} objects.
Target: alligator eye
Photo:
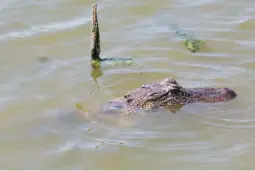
[{"x": 175, "y": 91}]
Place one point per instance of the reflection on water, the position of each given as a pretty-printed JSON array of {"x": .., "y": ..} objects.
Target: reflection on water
[{"x": 45, "y": 71}]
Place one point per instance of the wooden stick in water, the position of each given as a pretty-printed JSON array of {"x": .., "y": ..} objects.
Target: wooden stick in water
[
  {"x": 96, "y": 60},
  {"x": 95, "y": 38}
]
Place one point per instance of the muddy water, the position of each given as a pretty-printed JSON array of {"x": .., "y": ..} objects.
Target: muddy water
[{"x": 45, "y": 71}]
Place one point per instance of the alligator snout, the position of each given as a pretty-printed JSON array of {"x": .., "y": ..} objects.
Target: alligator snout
[
  {"x": 211, "y": 95},
  {"x": 228, "y": 93}
]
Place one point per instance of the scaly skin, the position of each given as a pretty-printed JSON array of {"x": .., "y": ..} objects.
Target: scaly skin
[{"x": 165, "y": 93}]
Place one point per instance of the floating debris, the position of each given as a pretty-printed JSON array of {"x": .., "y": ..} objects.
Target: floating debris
[
  {"x": 192, "y": 43},
  {"x": 81, "y": 107}
]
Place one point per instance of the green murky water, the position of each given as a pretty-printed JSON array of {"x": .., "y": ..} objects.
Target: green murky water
[{"x": 45, "y": 71}]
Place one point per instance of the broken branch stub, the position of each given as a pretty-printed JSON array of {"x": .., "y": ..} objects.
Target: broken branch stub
[
  {"x": 96, "y": 60},
  {"x": 95, "y": 38}
]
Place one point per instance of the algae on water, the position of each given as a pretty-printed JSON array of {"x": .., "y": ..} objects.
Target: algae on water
[
  {"x": 81, "y": 107},
  {"x": 192, "y": 43}
]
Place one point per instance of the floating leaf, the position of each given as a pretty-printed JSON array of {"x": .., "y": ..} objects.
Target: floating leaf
[
  {"x": 81, "y": 107},
  {"x": 90, "y": 129}
]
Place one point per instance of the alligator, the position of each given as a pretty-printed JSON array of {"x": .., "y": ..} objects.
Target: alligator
[{"x": 166, "y": 93}]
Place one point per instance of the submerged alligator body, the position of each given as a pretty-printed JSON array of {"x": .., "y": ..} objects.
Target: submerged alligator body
[{"x": 165, "y": 93}]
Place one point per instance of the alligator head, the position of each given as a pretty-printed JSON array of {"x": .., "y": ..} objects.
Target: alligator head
[{"x": 167, "y": 93}]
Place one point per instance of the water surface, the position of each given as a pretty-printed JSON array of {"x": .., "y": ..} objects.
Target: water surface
[{"x": 39, "y": 126}]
